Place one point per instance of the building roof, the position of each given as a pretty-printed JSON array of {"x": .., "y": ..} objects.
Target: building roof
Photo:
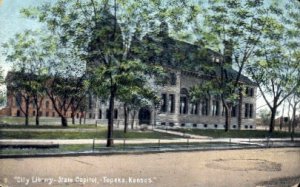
[{"x": 169, "y": 52}]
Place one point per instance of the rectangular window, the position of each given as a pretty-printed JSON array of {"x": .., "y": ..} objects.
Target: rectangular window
[
  {"x": 233, "y": 111},
  {"x": 116, "y": 114},
  {"x": 251, "y": 111},
  {"x": 183, "y": 105},
  {"x": 246, "y": 110},
  {"x": 204, "y": 109},
  {"x": 100, "y": 114},
  {"x": 172, "y": 103},
  {"x": 215, "y": 108},
  {"x": 249, "y": 92},
  {"x": 163, "y": 103},
  {"x": 194, "y": 108}
]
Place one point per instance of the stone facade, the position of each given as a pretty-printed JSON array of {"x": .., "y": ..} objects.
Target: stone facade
[{"x": 173, "y": 113}]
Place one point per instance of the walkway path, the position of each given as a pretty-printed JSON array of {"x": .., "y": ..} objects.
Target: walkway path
[
  {"x": 142, "y": 141},
  {"x": 182, "y": 134}
]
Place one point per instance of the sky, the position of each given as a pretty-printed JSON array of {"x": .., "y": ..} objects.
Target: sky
[{"x": 12, "y": 22}]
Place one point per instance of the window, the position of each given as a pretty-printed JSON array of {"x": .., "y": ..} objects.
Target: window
[
  {"x": 182, "y": 125},
  {"x": 47, "y": 114},
  {"x": 215, "y": 108},
  {"x": 223, "y": 110},
  {"x": 171, "y": 124},
  {"x": 163, "y": 123},
  {"x": 195, "y": 125},
  {"x": 18, "y": 113},
  {"x": 33, "y": 113},
  {"x": 216, "y": 126},
  {"x": 116, "y": 113},
  {"x": 194, "y": 108},
  {"x": 249, "y": 92},
  {"x": 233, "y": 111},
  {"x": 163, "y": 102},
  {"x": 248, "y": 110},
  {"x": 183, "y": 105},
  {"x": 90, "y": 115},
  {"x": 204, "y": 109},
  {"x": 251, "y": 111},
  {"x": 100, "y": 114},
  {"x": 53, "y": 114},
  {"x": 41, "y": 113},
  {"x": 77, "y": 115},
  {"x": 172, "y": 103}
]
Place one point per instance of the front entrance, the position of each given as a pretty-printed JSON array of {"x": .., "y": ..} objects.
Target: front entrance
[{"x": 144, "y": 116}]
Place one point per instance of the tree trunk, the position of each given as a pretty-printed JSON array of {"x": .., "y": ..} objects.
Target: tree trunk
[
  {"x": 73, "y": 118},
  {"x": 125, "y": 118},
  {"x": 27, "y": 111},
  {"x": 64, "y": 121},
  {"x": 37, "y": 118},
  {"x": 111, "y": 116},
  {"x": 133, "y": 117},
  {"x": 240, "y": 108},
  {"x": 227, "y": 118},
  {"x": 272, "y": 120},
  {"x": 293, "y": 122},
  {"x": 26, "y": 120},
  {"x": 289, "y": 122}
]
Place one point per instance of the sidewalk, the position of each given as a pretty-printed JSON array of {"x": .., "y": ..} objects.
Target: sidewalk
[
  {"x": 143, "y": 141},
  {"x": 182, "y": 134}
]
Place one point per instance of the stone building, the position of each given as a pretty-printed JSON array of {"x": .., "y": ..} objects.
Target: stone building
[{"x": 183, "y": 62}]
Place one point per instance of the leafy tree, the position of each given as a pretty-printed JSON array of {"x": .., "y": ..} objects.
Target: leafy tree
[
  {"x": 276, "y": 70},
  {"x": 2, "y": 96},
  {"x": 101, "y": 33},
  {"x": 27, "y": 53},
  {"x": 19, "y": 85},
  {"x": 235, "y": 30},
  {"x": 65, "y": 93}
]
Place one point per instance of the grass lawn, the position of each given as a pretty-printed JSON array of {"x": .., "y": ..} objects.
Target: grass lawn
[
  {"x": 99, "y": 134},
  {"x": 61, "y": 149},
  {"x": 236, "y": 133},
  {"x": 70, "y": 126},
  {"x": 101, "y": 147},
  {"x": 45, "y": 122}
]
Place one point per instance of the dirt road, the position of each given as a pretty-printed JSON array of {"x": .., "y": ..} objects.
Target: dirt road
[{"x": 256, "y": 167}]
